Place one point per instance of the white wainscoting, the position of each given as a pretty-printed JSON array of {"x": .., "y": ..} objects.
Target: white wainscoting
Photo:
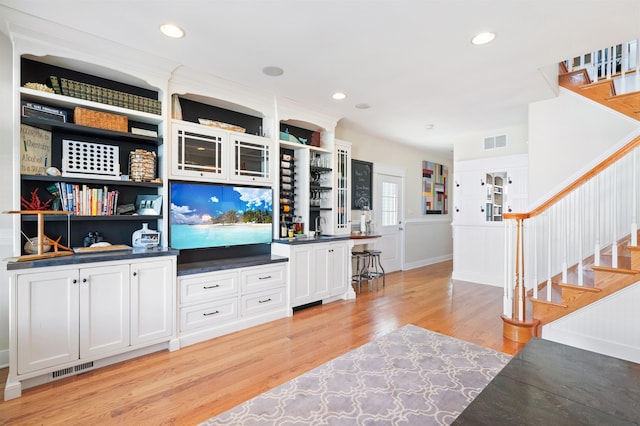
[
  {"x": 427, "y": 241},
  {"x": 478, "y": 253},
  {"x": 610, "y": 326}
]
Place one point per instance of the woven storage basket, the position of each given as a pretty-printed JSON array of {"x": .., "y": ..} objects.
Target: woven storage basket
[{"x": 101, "y": 120}]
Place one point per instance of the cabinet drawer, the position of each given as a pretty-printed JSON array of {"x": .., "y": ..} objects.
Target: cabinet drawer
[
  {"x": 262, "y": 301},
  {"x": 263, "y": 277},
  {"x": 207, "y": 286},
  {"x": 208, "y": 314}
]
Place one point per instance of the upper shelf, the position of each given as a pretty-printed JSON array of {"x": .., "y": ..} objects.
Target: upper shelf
[
  {"x": 70, "y": 102},
  {"x": 93, "y": 131}
]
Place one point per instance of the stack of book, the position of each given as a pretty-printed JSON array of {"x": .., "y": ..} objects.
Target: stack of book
[
  {"x": 89, "y": 92},
  {"x": 85, "y": 201}
]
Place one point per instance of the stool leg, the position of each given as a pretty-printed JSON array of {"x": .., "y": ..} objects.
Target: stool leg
[{"x": 382, "y": 269}]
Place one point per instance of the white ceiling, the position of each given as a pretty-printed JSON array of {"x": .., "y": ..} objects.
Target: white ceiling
[{"x": 411, "y": 60}]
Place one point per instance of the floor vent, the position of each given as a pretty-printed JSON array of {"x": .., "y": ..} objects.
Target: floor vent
[
  {"x": 71, "y": 370},
  {"x": 498, "y": 141}
]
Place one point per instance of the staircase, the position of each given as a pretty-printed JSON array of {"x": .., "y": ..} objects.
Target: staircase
[{"x": 582, "y": 245}]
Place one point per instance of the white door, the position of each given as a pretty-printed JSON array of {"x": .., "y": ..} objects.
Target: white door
[
  {"x": 151, "y": 301},
  {"x": 388, "y": 210},
  {"x": 47, "y": 319},
  {"x": 104, "y": 309}
]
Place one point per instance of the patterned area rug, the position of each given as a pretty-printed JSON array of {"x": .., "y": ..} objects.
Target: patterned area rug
[{"x": 410, "y": 376}]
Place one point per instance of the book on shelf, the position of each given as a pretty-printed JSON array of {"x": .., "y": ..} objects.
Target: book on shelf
[{"x": 83, "y": 200}]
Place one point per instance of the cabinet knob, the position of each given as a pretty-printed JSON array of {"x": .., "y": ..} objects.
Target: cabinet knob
[
  {"x": 75, "y": 281},
  {"x": 84, "y": 280},
  {"x": 135, "y": 274}
]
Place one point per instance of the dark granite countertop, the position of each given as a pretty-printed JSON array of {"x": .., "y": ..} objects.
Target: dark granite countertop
[
  {"x": 548, "y": 383},
  {"x": 304, "y": 239},
  {"x": 232, "y": 263},
  {"x": 103, "y": 256}
]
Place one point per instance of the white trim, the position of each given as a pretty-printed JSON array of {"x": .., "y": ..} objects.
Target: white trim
[{"x": 426, "y": 262}]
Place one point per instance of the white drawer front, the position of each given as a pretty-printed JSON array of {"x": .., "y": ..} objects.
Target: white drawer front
[
  {"x": 262, "y": 301},
  {"x": 207, "y": 286},
  {"x": 208, "y": 314},
  {"x": 263, "y": 277}
]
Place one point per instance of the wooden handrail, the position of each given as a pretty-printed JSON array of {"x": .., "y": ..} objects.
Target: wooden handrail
[{"x": 581, "y": 180}]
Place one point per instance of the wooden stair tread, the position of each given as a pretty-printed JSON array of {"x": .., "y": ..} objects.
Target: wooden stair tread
[
  {"x": 546, "y": 302},
  {"x": 615, "y": 270},
  {"x": 579, "y": 287}
]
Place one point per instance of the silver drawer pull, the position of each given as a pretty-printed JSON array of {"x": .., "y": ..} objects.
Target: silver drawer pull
[
  {"x": 211, "y": 313},
  {"x": 264, "y": 278},
  {"x": 211, "y": 286},
  {"x": 264, "y": 301}
]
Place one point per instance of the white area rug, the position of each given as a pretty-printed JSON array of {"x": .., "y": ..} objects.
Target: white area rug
[{"x": 410, "y": 376}]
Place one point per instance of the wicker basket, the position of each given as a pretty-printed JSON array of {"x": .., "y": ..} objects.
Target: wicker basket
[{"x": 101, "y": 120}]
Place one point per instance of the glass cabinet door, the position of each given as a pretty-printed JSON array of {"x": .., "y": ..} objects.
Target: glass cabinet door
[
  {"x": 198, "y": 152},
  {"x": 252, "y": 158},
  {"x": 343, "y": 175}
]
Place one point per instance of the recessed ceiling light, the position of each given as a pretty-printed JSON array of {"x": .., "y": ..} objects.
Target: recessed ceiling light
[
  {"x": 172, "y": 30},
  {"x": 363, "y": 106},
  {"x": 273, "y": 71},
  {"x": 430, "y": 126},
  {"x": 338, "y": 96},
  {"x": 483, "y": 38}
]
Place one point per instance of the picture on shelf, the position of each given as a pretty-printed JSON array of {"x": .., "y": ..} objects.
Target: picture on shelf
[
  {"x": 149, "y": 204},
  {"x": 35, "y": 150}
]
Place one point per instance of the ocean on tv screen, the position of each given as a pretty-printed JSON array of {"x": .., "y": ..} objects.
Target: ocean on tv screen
[{"x": 208, "y": 215}]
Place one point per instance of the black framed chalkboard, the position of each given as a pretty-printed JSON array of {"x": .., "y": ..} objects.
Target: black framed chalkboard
[{"x": 361, "y": 181}]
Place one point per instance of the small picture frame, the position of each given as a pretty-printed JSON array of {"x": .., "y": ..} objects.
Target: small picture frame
[{"x": 149, "y": 205}]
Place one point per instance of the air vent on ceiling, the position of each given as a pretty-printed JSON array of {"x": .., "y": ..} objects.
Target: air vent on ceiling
[{"x": 498, "y": 141}]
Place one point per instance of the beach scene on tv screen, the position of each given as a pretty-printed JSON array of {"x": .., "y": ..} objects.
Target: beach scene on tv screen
[{"x": 215, "y": 215}]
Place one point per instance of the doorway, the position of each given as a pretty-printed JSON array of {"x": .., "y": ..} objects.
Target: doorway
[{"x": 389, "y": 209}]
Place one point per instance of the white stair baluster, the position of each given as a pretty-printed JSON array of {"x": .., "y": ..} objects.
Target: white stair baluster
[
  {"x": 534, "y": 280},
  {"x": 549, "y": 245},
  {"x": 580, "y": 226},
  {"x": 614, "y": 221},
  {"x": 564, "y": 237},
  {"x": 596, "y": 206},
  {"x": 634, "y": 208}
]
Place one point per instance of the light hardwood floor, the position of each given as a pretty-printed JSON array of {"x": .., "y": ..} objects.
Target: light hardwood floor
[{"x": 202, "y": 380}]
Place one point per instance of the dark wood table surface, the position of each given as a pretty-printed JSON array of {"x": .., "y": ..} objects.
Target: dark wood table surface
[{"x": 548, "y": 383}]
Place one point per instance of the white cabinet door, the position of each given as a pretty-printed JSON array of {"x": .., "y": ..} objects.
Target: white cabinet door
[
  {"x": 251, "y": 158},
  {"x": 302, "y": 275},
  {"x": 339, "y": 274},
  {"x": 342, "y": 184},
  {"x": 198, "y": 151},
  {"x": 104, "y": 309},
  {"x": 152, "y": 300},
  {"x": 47, "y": 319},
  {"x": 322, "y": 271}
]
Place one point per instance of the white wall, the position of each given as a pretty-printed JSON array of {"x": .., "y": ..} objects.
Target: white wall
[
  {"x": 6, "y": 197},
  {"x": 610, "y": 326},
  {"x": 569, "y": 135},
  {"x": 427, "y": 238},
  {"x": 471, "y": 146}
]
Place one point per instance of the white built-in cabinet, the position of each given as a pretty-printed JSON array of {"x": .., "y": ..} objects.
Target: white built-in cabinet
[
  {"x": 318, "y": 271},
  {"x": 484, "y": 190},
  {"x": 202, "y": 152},
  {"x": 66, "y": 317},
  {"x": 219, "y": 302}
]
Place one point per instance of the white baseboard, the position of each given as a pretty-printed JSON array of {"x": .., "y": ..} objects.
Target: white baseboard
[
  {"x": 593, "y": 344},
  {"x": 426, "y": 262},
  {"x": 475, "y": 278}
]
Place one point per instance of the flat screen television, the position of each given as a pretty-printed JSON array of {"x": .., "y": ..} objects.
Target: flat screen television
[{"x": 208, "y": 216}]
